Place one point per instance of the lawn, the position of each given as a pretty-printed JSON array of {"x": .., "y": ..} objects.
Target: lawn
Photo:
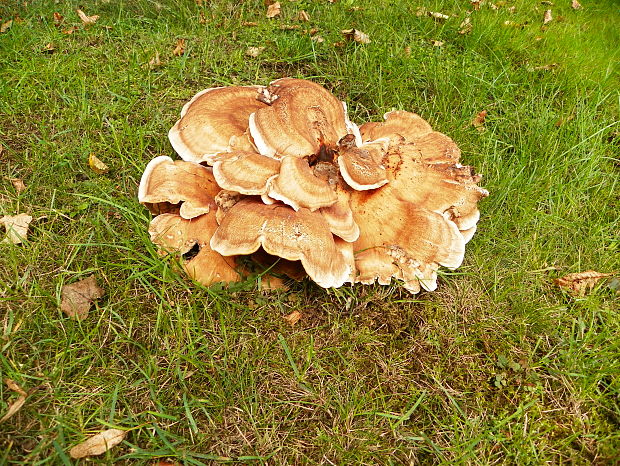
[{"x": 498, "y": 366}]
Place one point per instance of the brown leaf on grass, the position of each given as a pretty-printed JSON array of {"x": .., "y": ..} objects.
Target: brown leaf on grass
[
  {"x": 289, "y": 27},
  {"x": 12, "y": 385},
  {"x": 202, "y": 19},
  {"x": 438, "y": 16},
  {"x": 293, "y": 317},
  {"x": 87, "y": 20},
  {"x": 437, "y": 43},
  {"x": 273, "y": 10},
  {"x": 254, "y": 51},
  {"x": 98, "y": 444},
  {"x": 6, "y": 26},
  {"x": 249, "y": 24},
  {"x": 303, "y": 16},
  {"x": 421, "y": 11},
  {"x": 180, "y": 48},
  {"x": 356, "y": 35},
  {"x": 475, "y": 4},
  {"x": 478, "y": 121},
  {"x": 565, "y": 119},
  {"x": 70, "y": 31},
  {"x": 466, "y": 27},
  {"x": 97, "y": 165},
  {"x": 49, "y": 48},
  {"x": 547, "y": 17},
  {"x": 407, "y": 51},
  {"x": 16, "y": 227},
  {"x": 77, "y": 297},
  {"x": 578, "y": 284},
  {"x": 17, "y": 183},
  {"x": 575, "y": 5},
  {"x": 153, "y": 62},
  {"x": 58, "y": 19},
  {"x": 18, "y": 403}
]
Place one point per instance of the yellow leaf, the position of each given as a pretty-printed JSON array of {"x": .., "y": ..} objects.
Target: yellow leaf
[
  {"x": 16, "y": 227},
  {"x": 97, "y": 165},
  {"x": 180, "y": 48},
  {"x": 579, "y": 283},
  {"x": 293, "y": 317},
  {"x": 6, "y": 26},
  {"x": 273, "y": 10},
  {"x": 254, "y": 51},
  {"x": 87, "y": 20},
  {"x": 356, "y": 35},
  {"x": 98, "y": 444}
]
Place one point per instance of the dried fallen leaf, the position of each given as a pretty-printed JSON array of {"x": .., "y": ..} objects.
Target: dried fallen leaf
[
  {"x": 202, "y": 19},
  {"x": 437, "y": 43},
  {"x": 153, "y": 62},
  {"x": 273, "y": 10},
  {"x": 578, "y": 284},
  {"x": 12, "y": 385},
  {"x": 576, "y": 5},
  {"x": 16, "y": 227},
  {"x": 49, "y": 48},
  {"x": 356, "y": 35},
  {"x": 303, "y": 16},
  {"x": 547, "y": 18},
  {"x": 249, "y": 24},
  {"x": 289, "y": 27},
  {"x": 97, "y": 165},
  {"x": 77, "y": 297},
  {"x": 475, "y": 4},
  {"x": 17, "y": 183},
  {"x": 421, "y": 11},
  {"x": 58, "y": 19},
  {"x": 254, "y": 51},
  {"x": 407, "y": 51},
  {"x": 478, "y": 121},
  {"x": 180, "y": 48},
  {"x": 437, "y": 15},
  {"x": 466, "y": 27},
  {"x": 18, "y": 403},
  {"x": 318, "y": 39},
  {"x": 98, "y": 444},
  {"x": 6, "y": 26},
  {"x": 87, "y": 20},
  {"x": 293, "y": 317},
  {"x": 70, "y": 31}
]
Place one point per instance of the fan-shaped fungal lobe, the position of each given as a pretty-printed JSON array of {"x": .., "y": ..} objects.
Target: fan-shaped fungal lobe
[
  {"x": 215, "y": 120},
  {"x": 174, "y": 182},
  {"x": 245, "y": 172},
  {"x": 302, "y": 117},
  {"x": 175, "y": 234},
  {"x": 283, "y": 232}
]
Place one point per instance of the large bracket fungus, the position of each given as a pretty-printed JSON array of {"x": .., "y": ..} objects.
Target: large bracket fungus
[{"x": 281, "y": 172}]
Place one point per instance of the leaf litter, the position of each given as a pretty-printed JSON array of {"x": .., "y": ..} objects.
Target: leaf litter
[
  {"x": 578, "y": 284},
  {"x": 16, "y": 227},
  {"x": 87, "y": 20},
  {"x": 98, "y": 444},
  {"x": 97, "y": 165},
  {"x": 77, "y": 297},
  {"x": 19, "y": 402},
  {"x": 273, "y": 10},
  {"x": 356, "y": 35}
]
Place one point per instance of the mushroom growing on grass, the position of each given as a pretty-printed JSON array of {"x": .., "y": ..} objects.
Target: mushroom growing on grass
[{"x": 281, "y": 172}]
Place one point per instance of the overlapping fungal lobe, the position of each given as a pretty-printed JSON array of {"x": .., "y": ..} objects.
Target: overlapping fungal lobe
[
  {"x": 301, "y": 116},
  {"x": 293, "y": 178},
  {"x": 215, "y": 120},
  {"x": 284, "y": 232}
]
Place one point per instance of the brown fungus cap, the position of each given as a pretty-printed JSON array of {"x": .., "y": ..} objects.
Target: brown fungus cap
[
  {"x": 443, "y": 188},
  {"x": 297, "y": 186},
  {"x": 301, "y": 117},
  {"x": 245, "y": 172},
  {"x": 169, "y": 182},
  {"x": 283, "y": 232},
  {"x": 360, "y": 169},
  {"x": 413, "y": 239},
  {"x": 215, "y": 120},
  {"x": 178, "y": 235},
  {"x": 398, "y": 124}
]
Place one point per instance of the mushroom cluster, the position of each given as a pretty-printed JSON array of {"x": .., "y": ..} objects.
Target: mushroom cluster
[{"x": 281, "y": 172}]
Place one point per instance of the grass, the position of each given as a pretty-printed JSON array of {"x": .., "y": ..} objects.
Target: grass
[{"x": 496, "y": 367}]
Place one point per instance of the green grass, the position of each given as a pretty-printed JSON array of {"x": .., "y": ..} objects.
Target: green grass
[{"x": 498, "y": 366}]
